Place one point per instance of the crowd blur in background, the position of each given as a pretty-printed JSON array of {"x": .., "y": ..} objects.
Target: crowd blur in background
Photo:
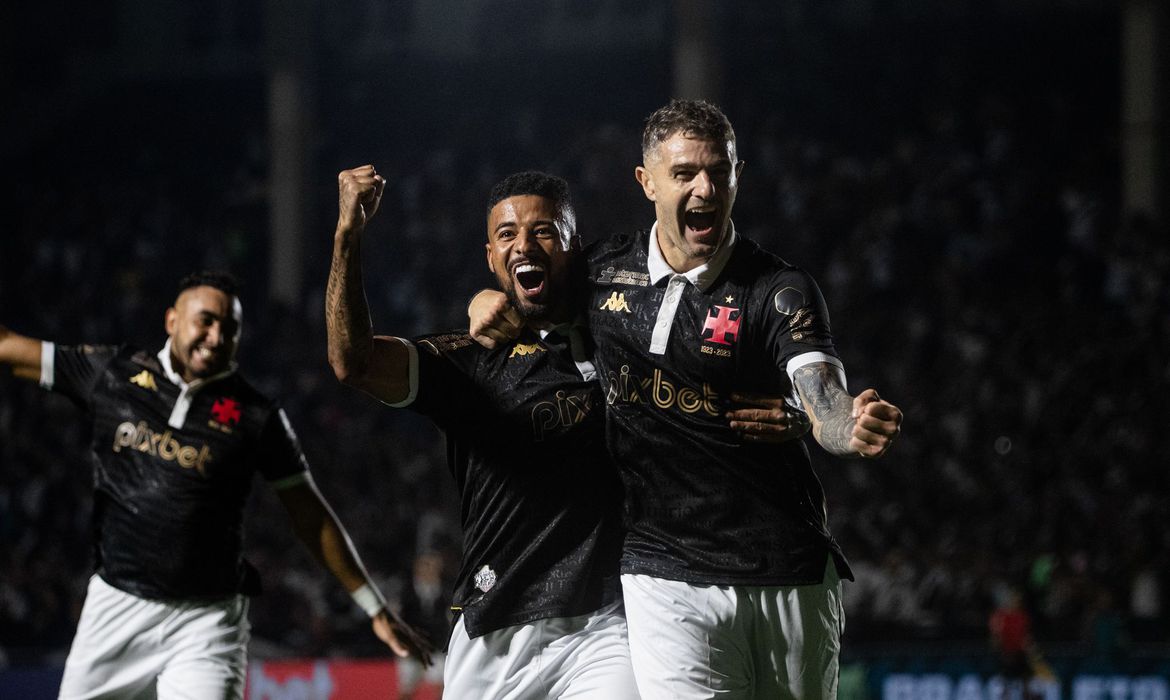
[{"x": 966, "y": 234}]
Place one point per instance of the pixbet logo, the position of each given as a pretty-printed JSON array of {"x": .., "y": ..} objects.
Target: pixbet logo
[{"x": 141, "y": 438}]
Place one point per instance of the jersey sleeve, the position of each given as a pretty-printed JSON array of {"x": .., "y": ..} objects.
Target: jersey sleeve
[
  {"x": 796, "y": 320},
  {"x": 282, "y": 461},
  {"x": 74, "y": 370},
  {"x": 448, "y": 365}
]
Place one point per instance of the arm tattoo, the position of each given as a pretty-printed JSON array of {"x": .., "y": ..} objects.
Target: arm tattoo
[
  {"x": 828, "y": 404},
  {"x": 347, "y": 315}
]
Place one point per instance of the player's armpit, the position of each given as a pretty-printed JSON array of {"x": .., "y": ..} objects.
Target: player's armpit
[{"x": 21, "y": 353}]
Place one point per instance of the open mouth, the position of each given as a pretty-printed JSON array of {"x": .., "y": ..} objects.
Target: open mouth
[
  {"x": 530, "y": 278},
  {"x": 702, "y": 222}
]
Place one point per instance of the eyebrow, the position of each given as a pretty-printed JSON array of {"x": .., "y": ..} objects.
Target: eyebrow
[{"x": 538, "y": 222}]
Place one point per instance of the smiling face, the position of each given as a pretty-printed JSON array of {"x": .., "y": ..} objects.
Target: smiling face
[
  {"x": 529, "y": 249},
  {"x": 204, "y": 326},
  {"x": 692, "y": 182}
]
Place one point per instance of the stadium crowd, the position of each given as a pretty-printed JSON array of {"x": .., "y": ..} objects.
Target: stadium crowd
[{"x": 1015, "y": 317}]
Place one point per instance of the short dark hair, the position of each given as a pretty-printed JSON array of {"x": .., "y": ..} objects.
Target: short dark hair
[
  {"x": 697, "y": 118},
  {"x": 541, "y": 184},
  {"x": 225, "y": 282}
]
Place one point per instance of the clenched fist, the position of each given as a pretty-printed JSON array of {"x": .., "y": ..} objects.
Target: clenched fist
[{"x": 359, "y": 192}]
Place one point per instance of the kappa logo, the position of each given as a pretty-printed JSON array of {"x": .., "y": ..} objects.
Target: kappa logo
[
  {"x": 523, "y": 349},
  {"x": 723, "y": 323},
  {"x": 615, "y": 302},
  {"x": 145, "y": 380}
]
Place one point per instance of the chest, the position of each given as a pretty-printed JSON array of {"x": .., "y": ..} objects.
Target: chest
[
  {"x": 706, "y": 335},
  {"x": 145, "y": 422}
]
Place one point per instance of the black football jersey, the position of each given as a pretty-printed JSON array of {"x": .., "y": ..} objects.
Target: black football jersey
[
  {"x": 540, "y": 497},
  {"x": 704, "y": 506},
  {"x": 172, "y": 469}
]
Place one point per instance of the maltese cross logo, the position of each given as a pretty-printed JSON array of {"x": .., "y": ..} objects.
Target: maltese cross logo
[{"x": 226, "y": 411}]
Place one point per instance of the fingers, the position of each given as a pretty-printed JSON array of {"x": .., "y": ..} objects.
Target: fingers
[
  {"x": 878, "y": 424},
  {"x": 359, "y": 192},
  {"x": 774, "y": 423}
]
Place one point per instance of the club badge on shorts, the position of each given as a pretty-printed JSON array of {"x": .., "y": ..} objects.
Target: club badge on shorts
[{"x": 485, "y": 578}]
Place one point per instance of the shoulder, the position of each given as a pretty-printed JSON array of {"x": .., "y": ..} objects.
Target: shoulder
[
  {"x": 618, "y": 244},
  {"x": 767, "y": 269},
  {"x": 454, "y": 343}
]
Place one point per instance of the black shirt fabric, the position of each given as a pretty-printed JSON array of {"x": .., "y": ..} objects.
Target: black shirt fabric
[
  {"x": 540, "y": 497},
  {"x": 704, "y": 506},
  {"x": 169, "y": 501}
]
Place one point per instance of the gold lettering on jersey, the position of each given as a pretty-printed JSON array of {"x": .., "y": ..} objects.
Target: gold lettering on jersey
[
  {"x": 717, "y": 352},
  {"x": 625, "y": 387},
  {"x": 557, "y": 416},
  {"x": 145, "y": 380},
  {"x": 163, "y": 445},
  {"x": 630, "y": 277},
  {"x": 615, "y": 302},
  {"x": 523, "y": 349}
]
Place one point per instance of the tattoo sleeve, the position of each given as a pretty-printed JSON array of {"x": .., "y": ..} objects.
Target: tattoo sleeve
[
  {"x": 347, "y": 315},
  {"x": 828, "y": 404}
]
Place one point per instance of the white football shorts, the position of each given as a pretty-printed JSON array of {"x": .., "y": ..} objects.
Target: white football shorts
[{"x": 131, "y": 647}]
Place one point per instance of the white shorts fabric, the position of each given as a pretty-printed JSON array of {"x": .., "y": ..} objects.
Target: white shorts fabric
[
  {"x": 131, "y": 647},
  {"x": 734, "y": 642},
  {"x": 581, "y": 657}
]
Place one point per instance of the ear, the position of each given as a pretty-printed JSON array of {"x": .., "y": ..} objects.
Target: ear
[
  {"x": 488, "y": 249},
  {"x": 739, "y": 169},
  {"x": 171, "y": 321},
  {"x": 646, "y": 181}
]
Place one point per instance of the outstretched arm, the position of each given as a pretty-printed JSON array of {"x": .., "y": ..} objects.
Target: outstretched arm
[
  {"x": 317, "y": 526},
  {"x": 846, "y": 426},
  {"x": 378, "y": 365},
  {"x": 21, "y": 353}
]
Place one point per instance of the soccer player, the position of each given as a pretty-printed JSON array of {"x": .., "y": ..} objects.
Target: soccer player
[
  {"x": 537, "y": 596},
  {"x": 178, "y": 436},
  {"x": 730, "y": 575}
]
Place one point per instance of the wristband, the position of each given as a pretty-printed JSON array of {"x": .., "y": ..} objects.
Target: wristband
[{"x": 369, "y": 599}]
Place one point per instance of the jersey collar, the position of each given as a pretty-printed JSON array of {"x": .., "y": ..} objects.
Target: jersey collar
[
  {"x": 164, "y": 359},
  {"x": 702, "y": 276}
]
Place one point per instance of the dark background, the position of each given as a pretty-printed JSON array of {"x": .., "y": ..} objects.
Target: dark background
[{"x": 953, "y": 177}]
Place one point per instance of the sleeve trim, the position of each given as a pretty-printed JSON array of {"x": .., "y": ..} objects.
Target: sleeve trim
[
  {"x": 412, "y": 354},
  {"x": 48, "y": 367},
  {"x": 809, "y": 358},
  {"x": 291, "y": 481}
]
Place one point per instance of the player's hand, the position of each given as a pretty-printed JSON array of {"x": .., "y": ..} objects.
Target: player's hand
[
  {"x": 766, "y": 419},
  {"x": 402, "y": 639},
  {"x": 359, "y": 192},
  {"x": 878, "y": 422},
  {"x": 492, "y": 322}
]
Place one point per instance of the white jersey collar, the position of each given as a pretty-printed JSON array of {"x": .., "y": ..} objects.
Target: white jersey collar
[{"x": 702, "y": 276}]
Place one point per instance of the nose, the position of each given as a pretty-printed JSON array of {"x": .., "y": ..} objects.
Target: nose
[
  {"x": 214, "y": 335},
  {"x": 703, "y": 188},
  {"x": 526, "y": 240}
]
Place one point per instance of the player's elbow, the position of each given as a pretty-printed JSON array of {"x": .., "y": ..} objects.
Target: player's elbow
[{"x": 347, "y": 370}]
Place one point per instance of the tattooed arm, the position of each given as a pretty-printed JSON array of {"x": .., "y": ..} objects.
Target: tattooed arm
[
  {"x": 846, "y": 426},
  {"x": 378, "y": 365}
]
